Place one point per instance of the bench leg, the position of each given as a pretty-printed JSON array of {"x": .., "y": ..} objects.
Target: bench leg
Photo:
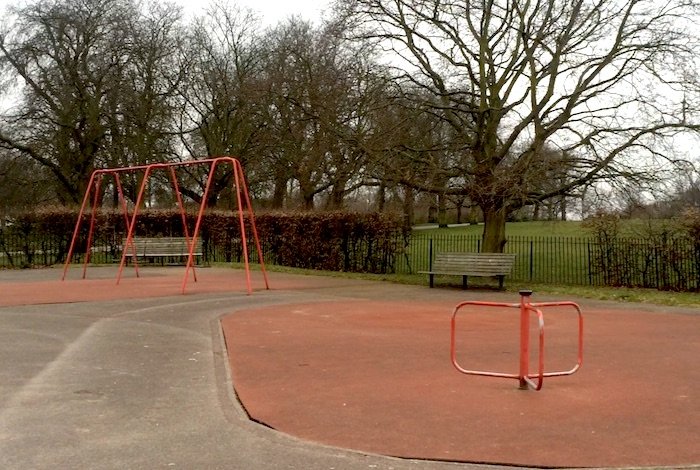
[
  {"x": 500, "y": 282},
  {"x": 431, "y": 280},
  {"x": 464, "y": 282}
]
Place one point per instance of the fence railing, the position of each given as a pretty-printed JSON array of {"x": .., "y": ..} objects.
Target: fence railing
[{"x": 669, "y": 264}]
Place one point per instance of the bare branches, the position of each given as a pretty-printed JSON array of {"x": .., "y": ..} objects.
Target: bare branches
[
  {"x": 595, "y": 78},
  {"x": 94, "y": 85}
]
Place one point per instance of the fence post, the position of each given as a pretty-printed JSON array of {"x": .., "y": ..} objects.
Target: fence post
[
  {"x": 657, "y": 281},
  {"x": 532, "y": 260},
  {"x": 590, "y": 268},
  {"x": 430, "y": 254}
]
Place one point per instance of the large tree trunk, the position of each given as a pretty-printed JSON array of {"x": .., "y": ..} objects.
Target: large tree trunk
[
  {"x": 381, "y": 197},
  {"x": 536, "y": 211},
  {"x": 442, "y": 210},
  {"x": 563, "y": 207},
  {"x": 459, "y": 205},
  {"x": 494, "y": 235},
  {"x": 336, "y": 199},
  {"x": 409, "y": 215},
  {"x": 307, "y": 193},
  {"x": 279, "y": 193},
  {"x": 308, "y": 202}
]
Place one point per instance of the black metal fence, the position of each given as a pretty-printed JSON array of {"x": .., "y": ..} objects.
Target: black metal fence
[
  {"x": 660, "y": 263},
  {"x": 19, "y": 250},
  {"x": 664, "y": 263}
]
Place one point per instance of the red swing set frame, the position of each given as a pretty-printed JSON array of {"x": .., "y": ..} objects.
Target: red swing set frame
[{"x": 93, "y": 192}]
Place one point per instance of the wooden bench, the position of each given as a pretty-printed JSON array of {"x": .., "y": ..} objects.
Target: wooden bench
[
  {"x": 471, "y": 264},
  {"x": 163, "y": 247}
]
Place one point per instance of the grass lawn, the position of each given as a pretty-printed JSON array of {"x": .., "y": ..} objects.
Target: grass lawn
[
  {"x": 514, "y": 229},
  {"x": 566, "y": 253},
  {"x": 545, "y": 251},
  {"x": 545, "y": 228}
]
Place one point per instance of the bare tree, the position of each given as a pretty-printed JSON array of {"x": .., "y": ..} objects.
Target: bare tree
[
  {"x": 221, "y": 98},
  {"x": 359, "y": 90},
  {"x": 674, "y": 197},
  {"x": 323, "y": 93},
  {"x": 141, "y": 109},
  {"x": 413, "y": 147},
  {"x": 142, "y": 118},
  {"x": 687, "y": 189},
  {"x": 606, "y": 82},
  {"x": 23, "y": 184},
  {"x": 220, "y": 94},
  {"x": 91, "y": 86}
]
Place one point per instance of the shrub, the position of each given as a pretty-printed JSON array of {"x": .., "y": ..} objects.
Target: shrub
[{"x": 339, "y": 241}]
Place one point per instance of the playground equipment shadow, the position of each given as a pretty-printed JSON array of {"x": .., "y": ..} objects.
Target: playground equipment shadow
[{"x": 346, "y": 364}]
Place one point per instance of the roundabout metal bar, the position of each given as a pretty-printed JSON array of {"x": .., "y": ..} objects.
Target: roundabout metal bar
[{"x": 524, "y": 377}]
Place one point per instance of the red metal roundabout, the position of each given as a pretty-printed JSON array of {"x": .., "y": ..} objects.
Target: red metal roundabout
[{"x": 526, "y": 308}]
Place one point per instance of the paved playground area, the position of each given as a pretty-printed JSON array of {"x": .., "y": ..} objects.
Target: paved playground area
[{"x": 328, "y": 373}]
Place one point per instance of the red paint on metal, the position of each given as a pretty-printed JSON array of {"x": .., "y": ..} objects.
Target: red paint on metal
[
  {"x": 125, "y": 208},
  {"x": 243, "y": 202},
  {"x": 525, "y": 343},
  {"x": 524, "y": 376},
  {"x": 181, "y": 205}
]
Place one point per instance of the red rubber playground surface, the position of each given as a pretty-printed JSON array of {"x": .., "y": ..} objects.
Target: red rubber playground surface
[
  {"x": 366, "y": 366},
  {"x": 376, "y": 376}
]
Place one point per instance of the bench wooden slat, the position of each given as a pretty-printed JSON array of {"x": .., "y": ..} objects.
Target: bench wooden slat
[
  {"x": 163, "y": 247},
  {"x": 471, "y": 264}
]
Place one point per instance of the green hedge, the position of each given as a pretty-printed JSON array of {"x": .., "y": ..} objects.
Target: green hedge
[{"x": 334, "y": 241}]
